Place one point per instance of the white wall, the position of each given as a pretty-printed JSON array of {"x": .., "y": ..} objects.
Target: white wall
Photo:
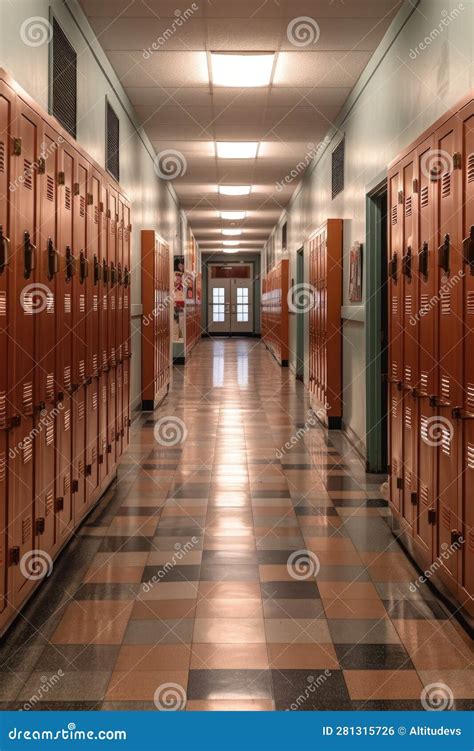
[
  {"x": 154, "y": 204},
  {"x": 399, "y": 95}
]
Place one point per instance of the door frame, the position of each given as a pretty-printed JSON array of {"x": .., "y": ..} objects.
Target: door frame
[
  {"x": 230, "y": 333},
  {"x": 300, "y": 319},
  {"x": 375, "y": 342}
]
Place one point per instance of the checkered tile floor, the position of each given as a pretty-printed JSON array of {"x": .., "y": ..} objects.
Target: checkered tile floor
[{"x": 227, "y": 571}]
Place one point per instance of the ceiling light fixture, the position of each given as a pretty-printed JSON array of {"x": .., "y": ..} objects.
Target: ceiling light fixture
[
  {"x": 233, "y": 215},
  {"x": 230, "y": 251},
  {"x": 242, "y": 70},
  {"x": 231, "y": 231},
  {"x": 237, "y": 149},
  {"x": 234, "y": 190},
  {"x": 231, "y": 242}
]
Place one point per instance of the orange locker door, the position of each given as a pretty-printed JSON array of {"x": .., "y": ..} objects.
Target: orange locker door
[
  {"x": 104, "y": 450},
  {"x": 425, "y": 265},
  {"x": 395, "y": 357},
  {"x": 126, "y": 349},
  {"x": 466, "y": 415}
]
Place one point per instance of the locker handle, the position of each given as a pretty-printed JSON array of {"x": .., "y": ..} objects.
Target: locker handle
[
  {"x": 113, "y": 273},
  {"x": 105, "y": 272},
  {"x": 406, "y": 263},
  {"x": 392, "y": 267},
  {"x": 83, "y": 267},
  {"x": 423, "y": 259},
  {"x": 119, "y": 273},
  {"x": 29, "y": 255},
  {"x": 443, "y": 255},
  {"x": 70, "y": 264},
  {"x": 459, "y": 413},
  {"x": 53, "y": 260},
  {"x": 436, "y": 402},
  {"x": 4, "y": 250},
  {"x": 468, "y": 249},
  {"x": 97, "y": 270},
  {"x": 126, "y": 277}
]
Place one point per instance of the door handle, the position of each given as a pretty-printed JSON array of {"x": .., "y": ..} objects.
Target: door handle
[
  {"x": 29, "y": 255},
  {"x": 83, "y": 267},
  {"x": 4, "y": 250},
  {"x": 443, "y": 255},
  {"x": 70, "y": 264},
  {"x": 53, "y": 261}
]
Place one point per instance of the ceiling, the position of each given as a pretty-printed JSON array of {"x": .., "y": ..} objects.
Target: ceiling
[{"x": 170, "y": 85}]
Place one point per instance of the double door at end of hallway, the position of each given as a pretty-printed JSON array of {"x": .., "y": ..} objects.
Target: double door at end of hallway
[{"x": 230, "y": 306}]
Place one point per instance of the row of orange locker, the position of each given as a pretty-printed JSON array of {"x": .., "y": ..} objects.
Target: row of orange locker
[
  {"x": 431, "y": 348},
  {"x": 156, "y": 302},
  {"x": 64, "y": 339},
  {"x": 274, "y": 306},
  {"x": 323, "y": 302}
]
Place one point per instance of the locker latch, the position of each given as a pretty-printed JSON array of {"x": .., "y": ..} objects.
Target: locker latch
[
  {"x": 101, "y": 458},
  {"x": 97, "y": 274},
  {"x": 14, "y": 556},
  {"x": 90, "y": 199},
  {"x": 400, "y": 196},
  {"x": 423, "y": 259},
  {"x": 414, "y": 499},
  {"x": 105, "y": 272},
  {"x": 443, "y": 254},
  {"x": 53, "y": 260},
  {"x": 456, "y": 537},
  {"x": 61, "y": 178},
  {"x": 29, "y": 255},
  {"x": 459, "y": 414},
  {"x": 70, "y": 264},
  {"x": 109, "y": 448},
  {"x": 457, "y": 160},
  {"x": 39, "y": 526},
  {"x": 431, "y": 516},
  {"x": 119, "y": 273},
  {"x": 399, "y": 483},
  {"x": 75, "y": 486},
  {"x": 76, "y": 189},
  {"x": 59, "y": 504},
  {"x": 392, "y": 267},
  {"x": 83, "y": 267},
  {"x": 406, "y": 263},
  {"x": 113, "y": 273},
  {"x": 16, "y": 146},
  {"x": 41, "y": 165},
  {"x": 4, "y": 250},
  {"x": 88, "y": 470},
  {"x": 468, "y": 249},
  {"x": 126, "y": 277},
  {"x": 415, "y": 185}
]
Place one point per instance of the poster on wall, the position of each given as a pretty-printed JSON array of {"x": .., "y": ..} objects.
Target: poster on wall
[
  {"x": 355, "y": 273},
  {"x": 179, "y": 284}
]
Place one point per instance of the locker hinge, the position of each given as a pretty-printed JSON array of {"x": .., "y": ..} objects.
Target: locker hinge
[
  {"x": 61, "y": 178},
  {"x": 415, "y": 185},
  {"x": 39, "y": 526},
  {"x": 400, "y": 196},
  {"x": 431, "y": 516},
  {"x": 399, "y": 483},
  {"x": 16, "y": 146},
  {"x": 456, "y": 537},
  {"x": 88, "y": 470},
  {"x": 59, "y": 504},
  {"x": 14, "y": 556},
  {"x": 41, "y": 165},
  {"x": 414, "y": 498},
  {"x": 90, "y": 199},
  {"x": 457, "y": 160},
  {"x": 76, "y": 189}
]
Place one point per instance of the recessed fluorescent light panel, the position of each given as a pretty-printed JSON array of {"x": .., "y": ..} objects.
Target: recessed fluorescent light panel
[
  {"x": 231, "y": 231},
  {"x": 242, "y": 70},
  {"x": 231, "y": 242},
  {"x": 230, "y": 251},
  {"x": 237, "y": 149},
  {"x": 233, "y": 215},
  {"x": 234, "y": 190}
]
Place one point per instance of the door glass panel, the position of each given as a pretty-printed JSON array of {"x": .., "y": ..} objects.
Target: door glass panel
[
  {"x": 242, "y": 305},
  {"x": 218, "y": 312}
]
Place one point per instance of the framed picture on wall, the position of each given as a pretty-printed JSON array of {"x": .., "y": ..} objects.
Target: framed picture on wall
[{"x": 355, "y": 273}]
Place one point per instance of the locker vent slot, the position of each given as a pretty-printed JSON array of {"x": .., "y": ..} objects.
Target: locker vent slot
[
  {"x": 424, "y": 380},
  {"x": 125, "y": 348},
  {"x": 27, "y": 446},
  {"x": 2, "y": 156},
  {"x": 112, "y": 302},
  {"x": 112, "y": 355},
  {"x": 394, "y": 408},
  {"x": 445, "y": 303},
  {"x": 424, "y": 494},
  {"x": 67, "y": 376},
  {"x": 27, "y": 174},
  {"x": 67, "y": 198},
  {"x": 408, "y": 373},
  {"x": 95, "y": 364},
  {"x": 112, "y": 158},
  {"x": 394, "y": 371},
  {"x": 470, "y": 395},
  {"x": 95, "y": 303},
  {"x": 3, "y": 466},
  {"x": 94, "y": 454},
  {"x": 67, "y": 303},
  {"x": 125, "y": 302},
  {"x": 337, "y": 172},
  {"x": 81, "y": 468},
  {"x": 470, "y": 303},
  {"x": 408, "y": 206},
  {"x": 446, "y": 441},
  {"x": 94, "y": 401},
  {"x": 394, "y": 468},
  {"x": 104, "y": 394},
  {"x": 112, "y": 388},
  {"x": 96, "y": 215},
  {"x": 27, "y": 397},
  {"x": 82, "y": 206},
  {"x": 63, "y": 77},
  {"x": 394, "y": 214},
  {"x": 408, "y": 416},
  {"x": 408, "y": 478},
  {"x": 50, "y": 188},
  {"x": 445, "y": 387},
  {"x": 26, "y": 527},
  {"x": 50, "y": 432},
  {"x": 104, "y": 302},
  {"x": 49, "y": 503},
  {"x": 27, "y": 303},
  {"x": 470, "y": 456},
  {"x": 3, "y": 408},
  {"x": 120, "y": 302},
  {"x": 66, "y": 483},
  {"x": 82, "y": 369},
  {"x": 82, "y": 303},
  {"x": 394, "y": 306},
  {"x": 50, "y": 303},
  {"x": 50, "y": 386},
  {"x": 446, "y": 185},
  {"x": 3, "y": 303},
  {"x": 470, "y": 168},
  {"x": 424, "y": 428},
  {"x": 408, "y": 305},
  {"x": 104, "y": 358},
  {"x": 125, "y": 377},
  {"x": 424, "y": 196},
  {"x": 424, "y": 304},
  {"x": 445, "y": 517},
  {"x": 80, "y": 411},
  {"x": 112, "y": 227}
]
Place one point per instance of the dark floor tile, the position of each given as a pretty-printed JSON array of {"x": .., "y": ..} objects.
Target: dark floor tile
[
  {"x": 373, "y": 657},
  {"x": 229, "y": 558},
  {"x": 274, "y": 557},
  {"x": 360, "y": 502},
  {"x": 187, "y": 532},
  {"x": 106, "y": 592},
  {"x": 293, "y": 608},
  {"x": 309, "y": 510},
  {"x": 77, "y": 657},
  {"x": 229, "y": 684},
  {"x": 288, "y": 590},
  {"x": 314, "y": 689},
  {"x": 141, "y": 510},
  {"x": 344, "y": 482},
  {"x": 270, "y": 494},
  {"x": 136, "y": 544},
  {"x": 170, "y": 574},
  {"x": 401, "y": 609}
]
